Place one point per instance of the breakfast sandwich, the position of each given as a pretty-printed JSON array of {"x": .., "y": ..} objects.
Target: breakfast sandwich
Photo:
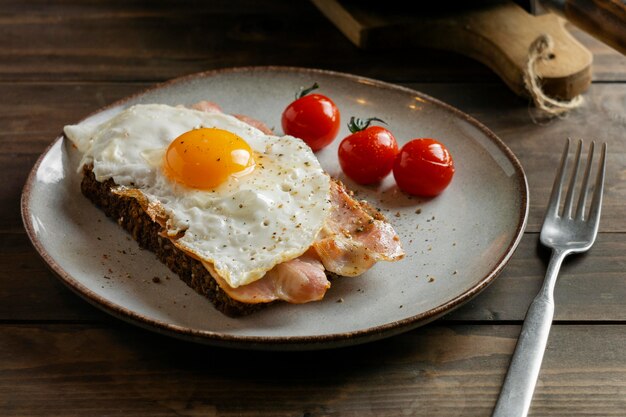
[{"x": 244, "y": 217}]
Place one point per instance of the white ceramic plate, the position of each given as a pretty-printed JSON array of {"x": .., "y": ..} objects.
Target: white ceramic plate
[{"x": 455, "y": 247}]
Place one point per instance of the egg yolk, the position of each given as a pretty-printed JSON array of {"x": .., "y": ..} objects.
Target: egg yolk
[{"x": 205, "y": 158}]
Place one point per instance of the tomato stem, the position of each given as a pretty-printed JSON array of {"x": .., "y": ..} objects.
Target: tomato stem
[
  {"x": 304, "y": 91},
  {"x": 356, "y": 124}
]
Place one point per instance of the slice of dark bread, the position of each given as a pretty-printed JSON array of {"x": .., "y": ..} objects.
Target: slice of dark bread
[{"x": 130, "y": 215}]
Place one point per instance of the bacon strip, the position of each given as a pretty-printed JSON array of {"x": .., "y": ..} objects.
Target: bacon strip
[
  {"x": 298, "y": 281},
  {"x": 255, "y": 123},
  {"x": 355, "y": 236},
  {"x": 210, "y": 107},
  {"x": 207, "y": 106}
]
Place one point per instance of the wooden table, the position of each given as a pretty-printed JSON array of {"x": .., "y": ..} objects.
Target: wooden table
[{"x": 59, "y": 356}]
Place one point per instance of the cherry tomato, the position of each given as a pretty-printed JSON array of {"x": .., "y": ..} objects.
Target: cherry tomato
[
  {"x": 423, "y": 167},
  {"x": 367, "y": 155},
  {"x": 314, "y": 118}
]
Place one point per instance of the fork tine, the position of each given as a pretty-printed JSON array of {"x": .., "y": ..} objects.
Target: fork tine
[
  {"x": 582, "y": 200},
  {"x": 569, "y": 197},
  {"x": 555, "y": 196},
  {"x": 596, "y": 202}
]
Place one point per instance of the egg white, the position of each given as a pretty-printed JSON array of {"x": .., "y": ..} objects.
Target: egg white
[{"x": 243, "y": 227}]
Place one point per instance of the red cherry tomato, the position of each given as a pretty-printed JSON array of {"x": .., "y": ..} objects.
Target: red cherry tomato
[
  {"x": 314, "y": 118},
  {"x": 367, "y": 156},
  {"x": 423, "y": 167}
]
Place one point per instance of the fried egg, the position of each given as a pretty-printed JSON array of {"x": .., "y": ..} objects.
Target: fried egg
[{"x": 234, "y": 197}]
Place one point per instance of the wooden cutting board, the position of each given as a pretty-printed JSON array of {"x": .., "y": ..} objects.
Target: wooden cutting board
[{"x": 498, "y": 34}]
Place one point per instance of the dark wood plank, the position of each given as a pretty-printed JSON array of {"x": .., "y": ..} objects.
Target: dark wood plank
[
  {"x": 59, "y": 356},
  {"x": 13, "y": 173},
  {"x": 105, "y": 40},
  {"x": 591, "y": 287},
  {"x": 608, "y": 64},
  {"x": 33, "y": 114},
  {"x": 69, "y": 370},
  {"x": 30, "y": 292}
]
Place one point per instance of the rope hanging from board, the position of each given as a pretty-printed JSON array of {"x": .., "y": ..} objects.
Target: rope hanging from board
[{"x": 542, "y": 49}]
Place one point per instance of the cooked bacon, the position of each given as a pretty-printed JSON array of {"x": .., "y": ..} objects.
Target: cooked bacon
[
  {"x": 207, "y": 106},
  {"x": 355, "y": 236},
  {"x": 210, "y": 107},
  {"x": 255, "y": 123},
  {"x": 297, "y": 281}
]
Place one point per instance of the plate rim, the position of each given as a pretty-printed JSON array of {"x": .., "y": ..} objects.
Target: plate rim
[{"x": 283, "y": 342}]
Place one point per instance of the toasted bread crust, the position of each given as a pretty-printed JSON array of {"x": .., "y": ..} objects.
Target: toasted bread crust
[{"x": 130, "y": 215}]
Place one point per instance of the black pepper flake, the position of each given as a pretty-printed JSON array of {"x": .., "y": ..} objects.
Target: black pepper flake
[{"x": 156, "y": 280}]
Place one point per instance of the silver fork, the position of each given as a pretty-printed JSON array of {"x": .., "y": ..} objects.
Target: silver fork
[{"x": 564, "y": 231}]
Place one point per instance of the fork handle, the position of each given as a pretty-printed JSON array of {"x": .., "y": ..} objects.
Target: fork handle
[{"x": 519, "y": 385}]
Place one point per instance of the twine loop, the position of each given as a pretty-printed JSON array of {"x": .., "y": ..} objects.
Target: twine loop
[{"x": 542, "y": 48}]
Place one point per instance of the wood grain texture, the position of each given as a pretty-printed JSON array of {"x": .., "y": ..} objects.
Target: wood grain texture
[
  {"x": 609, "y": 65},
  {"x": 30, "y": 292},
  {"x": 59, "y": 356},
  {"x": 72, "y": 370},
  {"x": 121, "y": 41},
  {"x": 591, "y": 287},
  {"x": 102, "y": 40},
  {"x": 605, "y": 19}
]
